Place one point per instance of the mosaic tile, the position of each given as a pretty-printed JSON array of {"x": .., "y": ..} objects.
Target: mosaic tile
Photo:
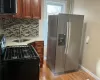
[{"x": 20, "y": 27}]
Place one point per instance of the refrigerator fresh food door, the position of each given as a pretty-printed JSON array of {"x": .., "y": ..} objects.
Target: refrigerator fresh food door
[{"x": 74, "y": 33}]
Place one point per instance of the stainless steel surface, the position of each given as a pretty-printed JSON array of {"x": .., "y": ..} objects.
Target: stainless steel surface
[
  {"x": 60, "y": 56},
  {"x": 69, "y": 35},
  {"x": 51, "y": 43},
  {"x": 66, "y": 39},
  {"x": 64, "y": 57},
  {"x": 72, "y": 58},
  {"x": 82, "y": 42}
]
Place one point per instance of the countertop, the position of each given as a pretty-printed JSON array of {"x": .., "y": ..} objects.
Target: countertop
[{"x": 9, "y": 41}]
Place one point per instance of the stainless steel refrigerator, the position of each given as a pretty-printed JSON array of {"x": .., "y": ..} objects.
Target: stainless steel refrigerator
[{"x": 64, "y": 42}]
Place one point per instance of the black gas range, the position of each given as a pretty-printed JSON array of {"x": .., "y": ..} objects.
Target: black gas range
[
  {"x": 20, "y": 63},
  {"x": 21, "y": 52}
]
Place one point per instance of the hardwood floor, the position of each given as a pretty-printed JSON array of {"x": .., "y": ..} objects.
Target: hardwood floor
[{"x": 46, "y": 74}]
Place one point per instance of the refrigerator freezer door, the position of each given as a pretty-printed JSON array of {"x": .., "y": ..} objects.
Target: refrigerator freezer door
[
  {"x": 74, "y": 42},
  {"x": 60, "y": 50},
  {"x": 51, "y": 46},
  {"x": 61, "y": 39}
]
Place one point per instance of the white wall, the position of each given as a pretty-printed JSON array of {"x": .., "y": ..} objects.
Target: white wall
[
  {"x": 41, "y": 21},
  {"x": 91, "y": 55}
]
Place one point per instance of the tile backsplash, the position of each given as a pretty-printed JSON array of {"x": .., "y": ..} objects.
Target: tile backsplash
[{"x": 20, "y": 27}]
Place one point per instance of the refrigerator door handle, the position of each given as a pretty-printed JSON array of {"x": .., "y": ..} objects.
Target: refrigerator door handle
[
  {"x": 67, "y": 25},
  {"x": 69, "y": 34}
]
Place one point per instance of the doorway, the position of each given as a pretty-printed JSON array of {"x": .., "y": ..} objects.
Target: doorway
[{"x": 51, "y": 8}]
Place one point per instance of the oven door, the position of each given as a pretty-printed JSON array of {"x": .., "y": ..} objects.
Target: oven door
[{"x": 21, "y": 70}]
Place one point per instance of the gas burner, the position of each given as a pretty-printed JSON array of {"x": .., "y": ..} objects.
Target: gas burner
[{"x": 19, "y": 52}]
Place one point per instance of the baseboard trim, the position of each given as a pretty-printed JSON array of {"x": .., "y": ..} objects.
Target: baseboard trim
[{"x": 89, "y": 72}]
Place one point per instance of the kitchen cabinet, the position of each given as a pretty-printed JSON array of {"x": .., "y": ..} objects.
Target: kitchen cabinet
[
  {"x": 39, "y": 47},
  {"x": 19, "y": 9},
  {"x": 31, "y": 9},
  {"x": 36, "y": 8},
  {"x": 28, "y": 9}
]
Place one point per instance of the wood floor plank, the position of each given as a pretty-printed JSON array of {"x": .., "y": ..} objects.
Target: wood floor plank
[{"x": 46, "y": 74}]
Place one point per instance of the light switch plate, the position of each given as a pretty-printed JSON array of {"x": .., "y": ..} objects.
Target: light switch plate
[{"x": 87, "y": 39}]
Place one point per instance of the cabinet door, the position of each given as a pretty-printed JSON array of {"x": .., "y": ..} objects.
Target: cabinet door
[
  {"x": 19, "y": 9},
  {"x": 36, "y": 9},
  {"x": 26, "y": 9}
]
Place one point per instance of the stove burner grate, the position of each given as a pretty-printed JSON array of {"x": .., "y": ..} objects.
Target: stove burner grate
[{"x": 19, "y": 52}]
